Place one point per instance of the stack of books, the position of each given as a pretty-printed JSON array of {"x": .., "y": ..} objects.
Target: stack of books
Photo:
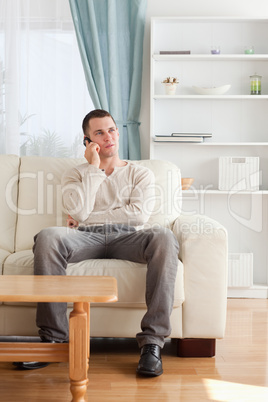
[{"x": 182, "y": 137}]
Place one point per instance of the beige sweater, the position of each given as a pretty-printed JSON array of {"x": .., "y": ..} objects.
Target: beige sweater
[{"x": 127, "y": 196}]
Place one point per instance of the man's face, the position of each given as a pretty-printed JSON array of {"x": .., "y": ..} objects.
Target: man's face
[{"x": 104, "y": 132}]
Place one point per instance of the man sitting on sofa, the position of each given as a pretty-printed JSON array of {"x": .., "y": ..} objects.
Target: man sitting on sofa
[{"x": 106, "y": 200}]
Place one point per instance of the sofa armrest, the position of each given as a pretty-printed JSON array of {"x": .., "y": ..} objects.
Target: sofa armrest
[{"x": 204, "y": 253}]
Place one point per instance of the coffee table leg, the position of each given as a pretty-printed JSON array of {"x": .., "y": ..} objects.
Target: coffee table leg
[
  {"x": 87, "y": 310},
  {"x": 78, "y": 351}
]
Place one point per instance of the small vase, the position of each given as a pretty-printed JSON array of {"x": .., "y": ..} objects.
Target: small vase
[{"x": 170, "y": 88}]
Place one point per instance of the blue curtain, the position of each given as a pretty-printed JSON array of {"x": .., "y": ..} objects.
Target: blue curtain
[{"x": 110, "y": 38}]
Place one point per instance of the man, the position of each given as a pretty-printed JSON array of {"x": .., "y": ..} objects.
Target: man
[{"x": 106, "y": 201}]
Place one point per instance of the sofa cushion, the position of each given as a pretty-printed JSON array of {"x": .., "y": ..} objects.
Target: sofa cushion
[
  {"x": 131, "y": 277},
  {"x": 8, "y": 200}
]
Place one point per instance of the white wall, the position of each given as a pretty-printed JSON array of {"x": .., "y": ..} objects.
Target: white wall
[{"x": 158, "y": 8}]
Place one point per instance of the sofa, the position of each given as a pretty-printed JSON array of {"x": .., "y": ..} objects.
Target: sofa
[{"x": 31, "y": 200}]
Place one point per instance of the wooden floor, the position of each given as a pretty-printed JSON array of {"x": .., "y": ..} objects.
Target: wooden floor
[{"x": 239, "y": 372}]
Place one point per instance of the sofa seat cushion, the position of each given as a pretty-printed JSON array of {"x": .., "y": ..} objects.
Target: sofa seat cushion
[{"x": 131, "y": 277}]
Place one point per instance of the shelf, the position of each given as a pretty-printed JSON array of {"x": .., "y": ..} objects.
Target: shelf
[
  {"x": 208, "y": 19},
  {"x": 210, "y": 57},
  {"x": 237, "y": 120},
  {"x": 215, "y": 144},
  {"x": 213, "y": 97},
  {"x": 224, "y": 192}
]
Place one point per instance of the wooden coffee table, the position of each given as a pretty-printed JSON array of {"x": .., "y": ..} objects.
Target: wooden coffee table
[{"x": 81, "y": 291}]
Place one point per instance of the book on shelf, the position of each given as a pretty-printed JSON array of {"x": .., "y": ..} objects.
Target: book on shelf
[
  {"x": 204, "y": 135},
  {"x": 170, "y": 138},
  {"x": 175, "y": 52}
]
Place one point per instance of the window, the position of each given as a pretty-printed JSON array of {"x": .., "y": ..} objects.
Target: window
[{"x": 43, "y": 92}]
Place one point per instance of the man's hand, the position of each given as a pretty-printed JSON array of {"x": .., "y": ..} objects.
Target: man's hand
[
  {"x": 71, "y": 223},
  {"x": 92, "y": 154}
]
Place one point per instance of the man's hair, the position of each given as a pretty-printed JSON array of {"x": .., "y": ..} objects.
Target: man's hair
[{"x": 97, "y": 113}]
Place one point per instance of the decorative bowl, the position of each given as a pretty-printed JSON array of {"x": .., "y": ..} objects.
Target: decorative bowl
[
  {"x": 212, "y": 91},
  {"x": 186, "y": 182}
]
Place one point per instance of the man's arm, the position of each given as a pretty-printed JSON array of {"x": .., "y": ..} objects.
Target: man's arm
[
  {"x": 137, "y": 202},
  {"x": 75, "y": 187},
  {"x": 79, "y": 191}
]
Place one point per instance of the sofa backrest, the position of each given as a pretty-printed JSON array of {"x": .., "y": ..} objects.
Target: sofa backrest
[
  {"x": 40, "y": 201},
  {"x": 9, "y": 175},
  {"x": 167, "y": 190}
]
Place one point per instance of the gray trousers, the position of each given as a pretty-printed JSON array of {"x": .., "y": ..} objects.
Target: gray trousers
[{"x": 55, "y": 247}]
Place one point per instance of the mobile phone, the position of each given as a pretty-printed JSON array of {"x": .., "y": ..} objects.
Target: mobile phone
[{"x": 85, "y": 141}]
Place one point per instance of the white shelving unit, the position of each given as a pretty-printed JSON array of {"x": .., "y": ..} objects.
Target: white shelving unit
[{"x": 237, "y": 120}]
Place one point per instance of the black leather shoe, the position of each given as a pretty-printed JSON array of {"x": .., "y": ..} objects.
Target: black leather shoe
[
  {"x": 150, "y": 363},
  {"x": 34, "y": 365}
]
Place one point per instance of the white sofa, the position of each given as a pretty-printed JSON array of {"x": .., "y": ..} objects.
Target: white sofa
[{"x": 31, "y": 200}]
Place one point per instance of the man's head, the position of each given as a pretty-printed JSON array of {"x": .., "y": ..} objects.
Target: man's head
[
  {"x": 94, "y": 114},
  {"x": 100, "y": 127}
]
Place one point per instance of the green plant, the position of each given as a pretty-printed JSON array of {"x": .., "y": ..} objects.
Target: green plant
[
  {"x": 170, "y": 80},
  {"x": 47, "y": 144}
]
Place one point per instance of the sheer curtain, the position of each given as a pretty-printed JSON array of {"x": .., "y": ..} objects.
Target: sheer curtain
[{"x": 43, "y": 93}]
